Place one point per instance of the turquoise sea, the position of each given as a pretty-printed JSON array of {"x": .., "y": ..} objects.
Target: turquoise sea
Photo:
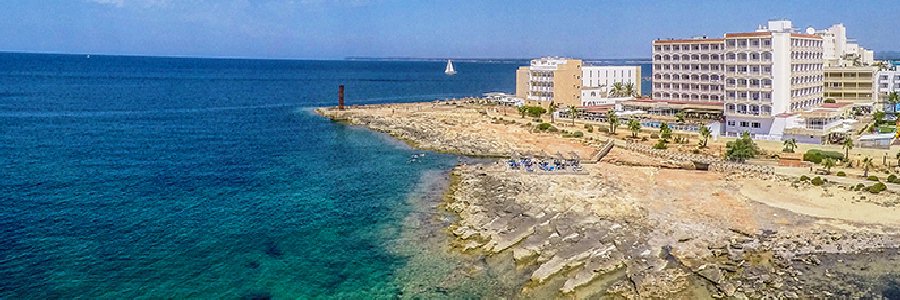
[{"x": 130, "y": 177}]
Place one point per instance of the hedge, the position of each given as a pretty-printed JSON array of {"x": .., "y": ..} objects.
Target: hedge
[{"x": 816, "y": 155}]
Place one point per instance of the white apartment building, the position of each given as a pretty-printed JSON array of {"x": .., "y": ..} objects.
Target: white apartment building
[
  {"x": 887, "y": 81},
  {"x": 838, "y": 50},
  {"x": 754, "y": 75},
  {"x": 597, "y": 83}
]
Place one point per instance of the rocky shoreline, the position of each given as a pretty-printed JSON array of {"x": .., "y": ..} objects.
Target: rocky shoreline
[{"x": 634, "y": 226}]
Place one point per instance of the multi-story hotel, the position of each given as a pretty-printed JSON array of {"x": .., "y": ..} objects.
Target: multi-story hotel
[
  {"x": 754, "y": 75},
  {"x": 550, "y": 80},
  {"x": 850, "y": 84}
]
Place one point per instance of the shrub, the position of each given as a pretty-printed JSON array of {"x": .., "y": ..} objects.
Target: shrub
[
  {"x": 817, "y": 181},
  {"x": 590, "y": 130},
  {"x": 841, "y": 173},
  {"x": 872, "y": 178},
  {"x": 804, "y": 178},
  {"x": 654, "y": 136},
  {"x": 858, "y": 187},
  {"x": 816, "y": 155},
  {"x": 588, "y": 126},
  {"x": 660, "y": 145},
  {"x": 892, "y": 178},
  {"x": 578, "y": 134},
  {"x": 552, "y": 129},
  {"x": 876, "y": 188},
  {"x": 695, "y": 151},
  {"x": 544, "y": 126},
  {"x": 535, "y": 111},
  {"x": 537, "y": 120}
]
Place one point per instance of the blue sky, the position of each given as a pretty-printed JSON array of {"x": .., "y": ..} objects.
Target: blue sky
[{"x": 331, "y": 29}]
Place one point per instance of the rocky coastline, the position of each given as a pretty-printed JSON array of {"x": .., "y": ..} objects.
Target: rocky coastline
[{"x": 634, "y": 226}]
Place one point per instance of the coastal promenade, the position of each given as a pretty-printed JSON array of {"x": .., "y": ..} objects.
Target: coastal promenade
[{"x": 640, "y": 223}]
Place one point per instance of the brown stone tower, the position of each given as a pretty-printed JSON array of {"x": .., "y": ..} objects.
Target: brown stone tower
[{"x": 341, "y": 97}]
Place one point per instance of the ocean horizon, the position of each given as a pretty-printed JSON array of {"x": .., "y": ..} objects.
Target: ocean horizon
[{"x": 155, "y": 177}]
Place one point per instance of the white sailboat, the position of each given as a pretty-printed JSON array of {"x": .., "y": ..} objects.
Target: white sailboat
[{"x": 450, "y": 71}]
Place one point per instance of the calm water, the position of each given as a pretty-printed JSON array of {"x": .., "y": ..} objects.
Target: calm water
[{"x": 160, "y": 177}]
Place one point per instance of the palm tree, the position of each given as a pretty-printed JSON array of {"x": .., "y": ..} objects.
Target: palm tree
[
  {"x": 573, "y": 111},
  {"x": 613, "y": 121},
  {"x": 790, "y": 145},
  {"x": 867, "y": 163},
  {"x": 705, "y": 134},
  {"x": 629, "y": 89},
  {"x": 617, "y": 89},
  {"x": 848, "y": 144},
  {"x": 635, "y": 126},
  {"x": 828, "y": 163},
  {"x": 665, "y": 132},
  {"x": 522, "y": 110},
  {"x": 893, "y": 99},
  {"x": 898, "y": 158},
  {"x": 551, "y": 110}
]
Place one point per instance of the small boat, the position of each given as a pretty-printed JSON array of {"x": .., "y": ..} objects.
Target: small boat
[{"x": 450, "y": 71}]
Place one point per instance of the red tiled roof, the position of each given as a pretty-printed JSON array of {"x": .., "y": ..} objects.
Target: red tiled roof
[
  {"x": 692, "y": 41},
  {"x": 679, "y": 101},
  {"x": 748, "y": 34},
  {"x": 834, "y": 105},
  {"x": 808, "y": 36}
]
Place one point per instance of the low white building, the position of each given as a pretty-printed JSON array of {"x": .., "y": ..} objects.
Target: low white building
[{"x": 504, "y": 99}]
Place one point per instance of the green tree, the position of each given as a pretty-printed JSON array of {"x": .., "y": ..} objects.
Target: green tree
[
  {"x": 618, "y": 89},
  {"x": 628, "y": 90},
  {"x": 665, "y": 132},
  {"x": 867, "y": 163},
  {"x": 893, "y": 99},
  {"x": 741, "y": 149},
  {"x": 705, "y": 134},
  {"x": 828, "y": 163},
  {"x": 878, "y": 116},
  {"x": 573, "y": 112},
  {"x": 679, "y": 117},
  {"x": 635, "y": 126},
  {"x": 847, "y": 145},
  {"x": 552, "y": 109},
  {"x": 522, "y": 110},
  {"x": 789, "y": 145},
  {"x": 613, "y": 121}
]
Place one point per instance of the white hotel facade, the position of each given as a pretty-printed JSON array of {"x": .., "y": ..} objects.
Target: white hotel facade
[{"x": 755, "y": 76}]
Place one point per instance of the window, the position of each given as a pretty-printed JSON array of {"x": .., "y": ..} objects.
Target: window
[
  {"x": 745, "y": 124},
  {"x": 730, "y": 123},
  {"x": 755, "y": 124}
]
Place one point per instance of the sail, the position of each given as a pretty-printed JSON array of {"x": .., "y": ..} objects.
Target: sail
[{"x": 449, "y": 70}]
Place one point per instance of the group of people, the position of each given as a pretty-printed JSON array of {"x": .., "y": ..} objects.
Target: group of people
[{"x": 530, "y": 165}]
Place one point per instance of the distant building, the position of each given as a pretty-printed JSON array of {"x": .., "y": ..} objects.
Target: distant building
[
  {"x": 598, "y": 81},
  {"x": 550, "y": 80},
  {"x": 841, "y": 51},
  {"x": 851, "y": 84},
  {"x": 887, "y": 81},
  {"x": 754, "y": 75}
]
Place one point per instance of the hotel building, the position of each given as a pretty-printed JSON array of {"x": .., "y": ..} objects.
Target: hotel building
[
  {"x": 850, "y": 84},
  {"x": 550, "y": 80},
  {"x": 754, "y": 75}
]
